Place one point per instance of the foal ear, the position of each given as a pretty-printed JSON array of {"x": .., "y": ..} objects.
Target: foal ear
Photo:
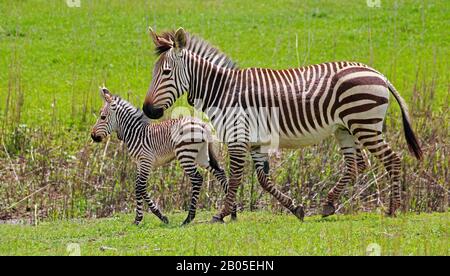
[
  {"x": 107, "y": 96},
  {"x": 180, "y": 38}
]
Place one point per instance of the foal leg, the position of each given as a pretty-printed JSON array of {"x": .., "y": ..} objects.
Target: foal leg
[
  {"x": 196, "y": 181},
  {"x": 350, "y": 151},
  {"x": 154, "y": 209},
  {"x": 186, "y": 157},
  {"x": 141, "y": 194},
  {"x": 140, "y": 189},
  {"x": 261, "y": 161}
]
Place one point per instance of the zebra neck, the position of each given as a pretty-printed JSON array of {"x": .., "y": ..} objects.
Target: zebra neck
[
  {"x": 209, "y": 84},
  {"x": 130, "y": 124}
]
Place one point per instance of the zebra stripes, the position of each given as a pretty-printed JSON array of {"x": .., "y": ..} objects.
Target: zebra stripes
[
  {"x": 186, "y": 139},
  {"x": 347, "y": 99}
]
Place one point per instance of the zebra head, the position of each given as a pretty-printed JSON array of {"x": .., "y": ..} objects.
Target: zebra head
[
  {"x": 170, "y": 77},
  {"x": 106, "y": 123}
]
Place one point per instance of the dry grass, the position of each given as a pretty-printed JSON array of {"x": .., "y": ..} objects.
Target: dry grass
[{"x": 38, "y": 175}]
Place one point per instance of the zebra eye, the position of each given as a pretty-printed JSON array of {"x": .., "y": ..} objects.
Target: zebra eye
[
  {"x": 166, "y": 71},
  {"x": 103, "y": 117}
]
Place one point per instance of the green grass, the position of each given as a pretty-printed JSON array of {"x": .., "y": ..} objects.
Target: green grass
[
  {"x": 58, "y": 56},
  {"x": 258, "y": 233}
]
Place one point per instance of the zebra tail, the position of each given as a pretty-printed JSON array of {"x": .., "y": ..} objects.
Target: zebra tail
[{"x": 413, "y": 143}]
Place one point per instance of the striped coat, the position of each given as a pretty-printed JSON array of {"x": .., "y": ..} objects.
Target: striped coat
[
  {"x": 186, "y": 139},
  {"x": 253, "y": 107}
]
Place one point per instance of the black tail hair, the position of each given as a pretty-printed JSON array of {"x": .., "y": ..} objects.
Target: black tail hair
[{"x": 413, "y": 143}]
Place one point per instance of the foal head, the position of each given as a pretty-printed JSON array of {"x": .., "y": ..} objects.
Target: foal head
[{"x": 106, "y": 123}]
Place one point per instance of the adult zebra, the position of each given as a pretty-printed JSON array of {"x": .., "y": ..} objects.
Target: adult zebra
[{"x": 348, "y": 99}]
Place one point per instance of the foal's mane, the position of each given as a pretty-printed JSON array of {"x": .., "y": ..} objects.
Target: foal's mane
[
  {"x": 200, "y": 47},
  {"x": 134, "y": 111}
]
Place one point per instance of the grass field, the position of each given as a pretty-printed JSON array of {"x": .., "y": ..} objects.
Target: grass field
[
  {"x": 53, "y": 58},
  {"x": 257, "y": 233},
  {"x": 57, "y": 56}
]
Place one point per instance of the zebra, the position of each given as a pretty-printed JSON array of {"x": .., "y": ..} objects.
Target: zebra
[
  {"x": 189, "y": 140},
  {"x": 347, "y": 99}
]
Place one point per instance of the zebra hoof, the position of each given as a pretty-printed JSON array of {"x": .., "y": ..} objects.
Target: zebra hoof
[
  {"x": 217, "y": 219},
  {"x": 186, "y": 222},
  {"x": 136, "y": 222},
  {"x": 165, "y": 220},
  {"x": 392, "y": 210},
  {"x": 391, "y": 214},
  {"x": 299, "y": 212},
  {"x": 328, "y": 210},
  {"x": 234, "y": 217}
]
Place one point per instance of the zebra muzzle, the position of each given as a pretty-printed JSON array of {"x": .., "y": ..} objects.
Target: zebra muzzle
[
  {"x": 152, "y": 112},
  {"x": 96, "y": 138}
]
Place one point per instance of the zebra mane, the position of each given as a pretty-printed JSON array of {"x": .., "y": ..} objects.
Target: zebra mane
[
  {"x": 134, "y": 111},
  {"x": 200, "y": 47}
]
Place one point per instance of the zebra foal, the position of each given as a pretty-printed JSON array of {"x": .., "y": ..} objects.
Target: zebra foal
[{"x": 186, "y": 139}]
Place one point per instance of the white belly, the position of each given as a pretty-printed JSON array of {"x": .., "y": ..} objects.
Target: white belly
[{"x": 298, "y": 140}]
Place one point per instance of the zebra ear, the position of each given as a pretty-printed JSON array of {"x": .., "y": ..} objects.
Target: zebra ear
[
  {"x": 180, "y": 38},
  {"x": 106, "y": 94},
  {"x": 159, "y": 41},
  {"x": 154, "y": 36}
]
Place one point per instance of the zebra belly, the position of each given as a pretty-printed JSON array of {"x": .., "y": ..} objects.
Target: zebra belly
[{"x": 306, "y": 139}]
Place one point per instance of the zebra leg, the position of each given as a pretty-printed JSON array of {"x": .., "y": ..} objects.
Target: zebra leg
[
  {"x": 190, "y": 169},
  {"x": 196, "y": 181},
  {"x": 238, "y": 152},
  {"x": 140, "y": 191},
  {"x": 154, "y": 209},
  {"x": 350, "y": 151},
  {"x": 144, "y": 167},
  {"x": 391, "y": 161},
  {"x": 219, "y": 174},
  {"x": 261, "y": 161},
  {"x": 361, "y": 159}
]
